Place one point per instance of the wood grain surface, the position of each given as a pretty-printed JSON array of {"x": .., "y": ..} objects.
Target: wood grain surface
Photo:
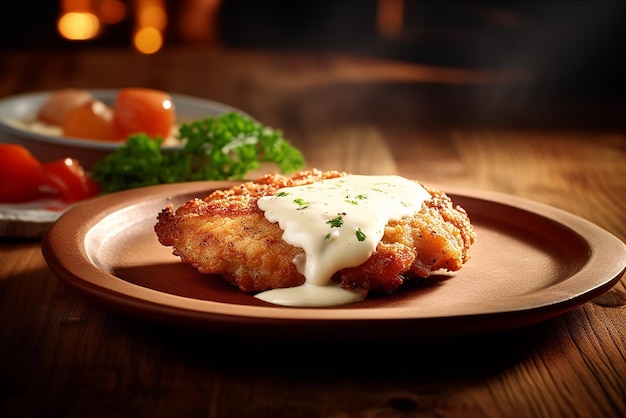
[{"x": 63, "y": 355}]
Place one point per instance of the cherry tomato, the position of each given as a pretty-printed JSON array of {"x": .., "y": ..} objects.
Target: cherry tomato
[
  {"x": 92, "y": 120},
  {"x": 20, "y": 174},
  {"x": 139, "y": 110},
  {"x": 68, "y": 178}
]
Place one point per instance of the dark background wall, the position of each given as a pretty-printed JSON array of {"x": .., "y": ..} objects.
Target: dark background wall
[{"x": 577, "y": 47}]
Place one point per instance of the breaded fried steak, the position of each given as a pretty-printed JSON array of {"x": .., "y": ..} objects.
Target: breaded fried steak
[{"x": 410, "y": 231}]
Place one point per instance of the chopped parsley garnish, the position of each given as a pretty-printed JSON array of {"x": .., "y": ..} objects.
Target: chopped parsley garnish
[
  {"x": 336, "y": 222},
  {"x": 301, "y": 202},
  {"x": 360, "y": 235},
  {"x": 215, "y": 148},
  {"x": 282, "y": 194},
  {"x": 354, "y": 201}
]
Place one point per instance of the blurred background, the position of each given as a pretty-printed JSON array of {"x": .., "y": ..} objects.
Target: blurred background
[{"x": 575, "y": 49}]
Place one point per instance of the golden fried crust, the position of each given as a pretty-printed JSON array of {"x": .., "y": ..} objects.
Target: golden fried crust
[{"x": 226, "y": 233}]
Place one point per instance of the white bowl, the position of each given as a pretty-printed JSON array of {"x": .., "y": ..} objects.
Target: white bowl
[{"x": 24, "y": 107}]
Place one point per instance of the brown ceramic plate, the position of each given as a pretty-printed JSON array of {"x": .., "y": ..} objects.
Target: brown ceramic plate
[{"x": 531, "y": 262}]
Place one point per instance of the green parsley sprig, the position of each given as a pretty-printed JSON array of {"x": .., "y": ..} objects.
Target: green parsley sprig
[{"x": 221, "y": 148}]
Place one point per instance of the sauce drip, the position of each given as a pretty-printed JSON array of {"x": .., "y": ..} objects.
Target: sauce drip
[{"x": 338, "y": 223}]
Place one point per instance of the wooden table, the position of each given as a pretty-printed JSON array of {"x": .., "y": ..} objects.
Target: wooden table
[{"x": 63, "y": 355}]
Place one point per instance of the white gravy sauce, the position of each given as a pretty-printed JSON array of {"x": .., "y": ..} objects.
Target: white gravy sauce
[{"x": 338, "y": 223}]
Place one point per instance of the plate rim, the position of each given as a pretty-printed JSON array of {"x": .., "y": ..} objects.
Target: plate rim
[{"x": 142, "y": 301}]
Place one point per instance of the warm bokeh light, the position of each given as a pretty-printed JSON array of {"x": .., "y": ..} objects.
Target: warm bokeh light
[
  {"x": 390, "y": 17},
  {"x": 75, "y": 5},
  {"x": 111, "y": 11},
  {"x": 151, "y": 13},
  {"x": 198, "y": 21},
  {"x": 78, "y": 26},
  {"x": 148, "y": 40},
  {"x": 150, "y": 21}
]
